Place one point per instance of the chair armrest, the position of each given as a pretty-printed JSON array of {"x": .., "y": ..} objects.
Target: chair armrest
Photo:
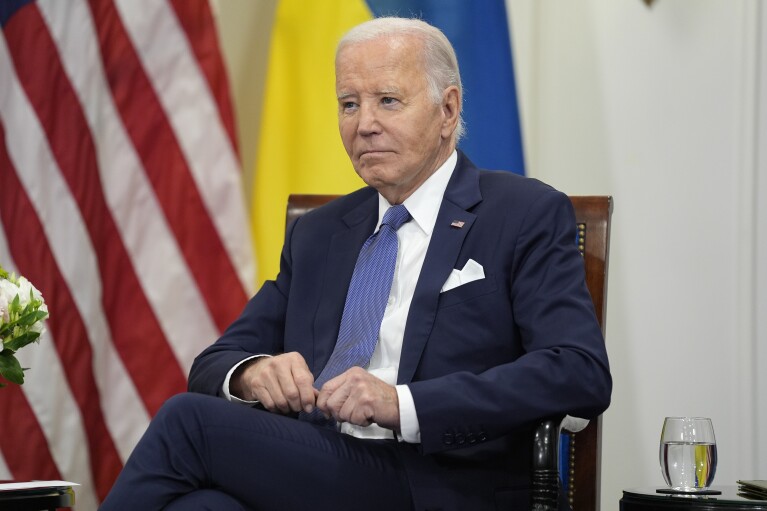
[{"x": 546, "y": 465}]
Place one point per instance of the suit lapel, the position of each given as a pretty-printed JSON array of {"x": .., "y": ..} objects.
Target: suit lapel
[
  {"x": 342, "y": 255},
  {"x": 462, "y": 193}
]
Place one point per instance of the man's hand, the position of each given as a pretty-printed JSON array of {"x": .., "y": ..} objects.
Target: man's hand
[
  {"x": 360, "y": 398},
  {"x": 282, "y": 384}
]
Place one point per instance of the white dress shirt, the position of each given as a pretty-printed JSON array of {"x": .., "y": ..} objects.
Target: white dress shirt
[{"x": 413, "y": 238}]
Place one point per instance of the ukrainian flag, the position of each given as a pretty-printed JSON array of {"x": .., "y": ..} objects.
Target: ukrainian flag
[{"x": 300, "y": 150}]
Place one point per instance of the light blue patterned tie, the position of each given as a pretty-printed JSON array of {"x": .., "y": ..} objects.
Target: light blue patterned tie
[{"x": 365, "y": 301}]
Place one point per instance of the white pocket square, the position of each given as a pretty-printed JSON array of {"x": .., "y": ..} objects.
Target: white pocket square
[{"x": 471, "y": 271}]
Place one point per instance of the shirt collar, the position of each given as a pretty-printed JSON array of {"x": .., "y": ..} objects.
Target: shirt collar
[{"x": 423, "y": 204}]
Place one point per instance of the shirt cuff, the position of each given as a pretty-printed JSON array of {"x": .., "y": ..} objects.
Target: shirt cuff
[
  {"x": 410, "y": 429},
  {"x": 227, "y": 394}
]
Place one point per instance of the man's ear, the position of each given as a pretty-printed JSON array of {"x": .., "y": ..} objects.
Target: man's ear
[{"x": 451, "y": 110}]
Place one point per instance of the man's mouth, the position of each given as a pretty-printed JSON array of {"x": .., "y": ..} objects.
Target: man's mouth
[{"x": 373, "y": 152}]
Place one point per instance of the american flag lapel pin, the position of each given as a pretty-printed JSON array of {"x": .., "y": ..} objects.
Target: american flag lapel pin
[{"x": 457, "y": 223}]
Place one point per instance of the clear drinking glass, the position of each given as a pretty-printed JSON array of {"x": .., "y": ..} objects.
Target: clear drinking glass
[{"x": 688, "y": 453}]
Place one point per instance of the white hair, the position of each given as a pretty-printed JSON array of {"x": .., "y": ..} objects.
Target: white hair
[{"x": 441, "y": 64}]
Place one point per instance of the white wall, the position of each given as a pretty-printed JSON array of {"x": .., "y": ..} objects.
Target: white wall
[
  {"x": 659, "y": 108},
  {"x": 760, "y": 298}
]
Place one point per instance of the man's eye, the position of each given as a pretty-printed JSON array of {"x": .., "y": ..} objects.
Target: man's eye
[
  {"x": 388, "y": 101},
  {"x": 349, "y": 105}
]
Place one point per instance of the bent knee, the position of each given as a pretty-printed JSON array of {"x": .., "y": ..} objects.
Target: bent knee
[{"x": 186, "y": 407}]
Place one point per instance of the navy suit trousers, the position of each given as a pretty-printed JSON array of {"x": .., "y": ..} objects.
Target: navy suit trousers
[{"x": 203, "y": 452}]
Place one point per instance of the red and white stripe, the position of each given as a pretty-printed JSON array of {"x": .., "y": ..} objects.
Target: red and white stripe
[{"x": 121, "y": 200}]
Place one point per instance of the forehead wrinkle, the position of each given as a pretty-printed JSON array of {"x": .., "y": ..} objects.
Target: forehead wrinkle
[
  {"x": 361, "y": 69},
  {"x": 397, "y": 57}
]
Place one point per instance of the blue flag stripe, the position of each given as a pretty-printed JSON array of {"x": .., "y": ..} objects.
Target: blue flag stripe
[
  {"x": 9, "y": 7},
  {"x": 480, "y": 34}
]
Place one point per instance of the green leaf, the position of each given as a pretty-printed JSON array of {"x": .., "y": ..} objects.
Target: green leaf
[
  {"x": 22, "y": 340},
  {"x": 15, "y": 306},
  {"x": 10, "y": 369},
  {"x": 31, "y": 317}
]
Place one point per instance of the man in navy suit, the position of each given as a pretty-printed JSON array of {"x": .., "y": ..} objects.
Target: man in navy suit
[{"x": 488, "y": 327}]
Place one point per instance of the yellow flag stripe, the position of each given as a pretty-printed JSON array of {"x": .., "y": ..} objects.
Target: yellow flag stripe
[{"x": 299, "y": 149}]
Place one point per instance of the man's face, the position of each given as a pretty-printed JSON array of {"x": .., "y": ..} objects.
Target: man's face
[{"x": 395, "y": 135}]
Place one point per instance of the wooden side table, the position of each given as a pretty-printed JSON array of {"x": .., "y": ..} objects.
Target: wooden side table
[
  {"x": 647, "y": 499},
  {"x": 61, "y": 497}
]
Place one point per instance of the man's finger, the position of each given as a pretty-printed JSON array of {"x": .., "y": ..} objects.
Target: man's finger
[
  {"x": 274, "y": 384},
  {"x": 283, "y": 383},
  {"x": 290, "y": 395},
  {"x": 266, "y": 400},
  {"x": 304, "y": 381},
  {"x": 327, "y": 392},
  {"x": 355, "y": 412},
  {"x": 336, "y": 401}
]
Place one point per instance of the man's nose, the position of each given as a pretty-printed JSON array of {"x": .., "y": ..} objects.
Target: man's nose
[{"x": 368, "y": 120}]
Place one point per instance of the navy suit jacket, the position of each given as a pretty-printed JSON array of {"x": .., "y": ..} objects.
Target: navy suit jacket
[{"x": 484, "y": 361}]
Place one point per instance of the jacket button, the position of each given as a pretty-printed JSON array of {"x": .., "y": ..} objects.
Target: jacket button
[
  {"x": 447, "y": 439},
  {"x": 471, "y": 438},
  {"x": 460, "y": 438},
  {"x": 482, "y": 436}
]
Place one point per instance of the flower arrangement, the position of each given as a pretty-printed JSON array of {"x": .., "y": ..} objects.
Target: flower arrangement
[{"x": 22, "y": 311}]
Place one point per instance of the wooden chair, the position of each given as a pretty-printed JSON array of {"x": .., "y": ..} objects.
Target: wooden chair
[
  {"x": 574, "y": 459},
  {"x": 575, "y": 468}
]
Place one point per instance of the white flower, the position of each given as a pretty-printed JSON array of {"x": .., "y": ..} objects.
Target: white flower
[
  {"x": 8, "y": 289},
  {"x": 15, "y": 321},
  {"x": 38, "y": 326},
  {"x": 25, "y": 287},
  {"x": 4, "y": 314},
  {"x": 36, "y": 294}
]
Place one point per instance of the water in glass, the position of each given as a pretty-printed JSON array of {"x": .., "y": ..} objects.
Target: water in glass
[
  {"x": 688, "y": 453},
  {"x": 688, "y": 465}
]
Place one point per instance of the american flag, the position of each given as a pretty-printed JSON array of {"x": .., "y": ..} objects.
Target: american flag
[{"x": 121, "y": 200}]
